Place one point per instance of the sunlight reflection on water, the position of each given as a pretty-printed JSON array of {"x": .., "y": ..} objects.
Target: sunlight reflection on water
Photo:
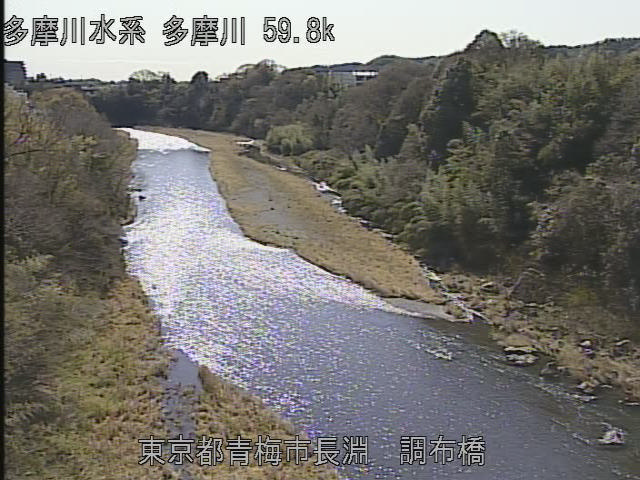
[{"x": 325, "y": 352}]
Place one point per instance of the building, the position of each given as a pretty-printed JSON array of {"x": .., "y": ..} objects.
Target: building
[
  {"x": 15, "y": 74},
  {"x": 361, "y": 76},
  {"x": 85, "y": 86},
  {"x": 351, "y": 78},
  {"x": 347, "y": 75}
]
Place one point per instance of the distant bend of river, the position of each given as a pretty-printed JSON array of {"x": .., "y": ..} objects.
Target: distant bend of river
[{"x": 337, "y": 360}]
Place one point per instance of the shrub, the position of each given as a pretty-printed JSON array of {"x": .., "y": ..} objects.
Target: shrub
[{"x": 293, "y": 139}]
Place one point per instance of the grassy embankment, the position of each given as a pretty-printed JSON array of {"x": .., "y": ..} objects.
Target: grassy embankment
[
  {"x": 98, "y": 387},
  {"x": 226, "y": 411},
  {"x": 83, "y": 360},
  {"x": 280, "y": 208}
]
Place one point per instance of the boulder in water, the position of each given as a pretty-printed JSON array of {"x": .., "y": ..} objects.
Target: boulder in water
[{"x": 613, "y": 436}]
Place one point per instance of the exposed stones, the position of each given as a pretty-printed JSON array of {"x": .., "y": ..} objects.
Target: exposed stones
[
  {"x": 522, "y": 360},
  {"x": 621, "y": 348},
  {"x": 587, "y": 348},
  {"x": 523, "y": 350},
  {"x": 519, "y": 350},
  {"x": 588, "y": 386},
  {"x": 584, "y": 398},
  {"x": 490, "y": 288}
]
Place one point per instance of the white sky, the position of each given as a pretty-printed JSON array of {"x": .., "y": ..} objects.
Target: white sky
[{"x": 363, "y": 30}]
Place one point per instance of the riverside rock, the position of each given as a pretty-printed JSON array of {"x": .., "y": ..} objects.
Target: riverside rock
[
  {"x": 621, "y": 348},
  {"x": 588, "y": 386}
]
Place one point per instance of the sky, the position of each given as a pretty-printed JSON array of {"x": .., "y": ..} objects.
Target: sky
[{"x": 362, "y": 30}]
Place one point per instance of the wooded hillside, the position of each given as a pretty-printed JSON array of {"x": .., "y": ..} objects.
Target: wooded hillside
[{"x": 504, "y": 158}]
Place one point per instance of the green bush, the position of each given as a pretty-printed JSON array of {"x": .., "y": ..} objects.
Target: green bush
[{"x": 291, "y": 139}]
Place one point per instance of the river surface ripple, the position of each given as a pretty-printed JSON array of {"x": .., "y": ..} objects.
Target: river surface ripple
[{"x": 337, "y": 360}]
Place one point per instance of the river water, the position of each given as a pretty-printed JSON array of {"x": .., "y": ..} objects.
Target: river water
[{"x": 337, "y": 360}]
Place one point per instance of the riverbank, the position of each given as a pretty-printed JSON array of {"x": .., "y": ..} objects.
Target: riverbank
[
  {"x": 101, "y": 392},
  {"x": 83, "y": 357},
  {"x": 277, "y": 207}
]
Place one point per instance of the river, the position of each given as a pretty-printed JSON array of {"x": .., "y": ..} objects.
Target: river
[{"x": 337, "y": 360}]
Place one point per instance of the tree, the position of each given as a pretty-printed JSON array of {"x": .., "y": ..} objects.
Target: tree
[
  {"x": 451, "y": 103},
  {"x": 405, "y": 111},
  {"x": 145, "y": 76},
  {"x": 200, "y": 79},
  {"x": 289, "y": 139},
  {"x": 486, "y": 41},
  {"x": 518, "y": 40}
]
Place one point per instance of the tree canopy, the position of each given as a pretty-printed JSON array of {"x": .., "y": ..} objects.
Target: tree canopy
[{"x": 507, "y": 153}]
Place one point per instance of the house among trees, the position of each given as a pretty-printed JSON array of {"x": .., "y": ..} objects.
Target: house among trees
[
  {"x": 347, "y": 75},
  {"x": 15, "y": 74}
]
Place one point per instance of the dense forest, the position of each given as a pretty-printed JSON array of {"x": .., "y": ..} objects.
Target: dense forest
[{"x": 506, "y": 158}]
